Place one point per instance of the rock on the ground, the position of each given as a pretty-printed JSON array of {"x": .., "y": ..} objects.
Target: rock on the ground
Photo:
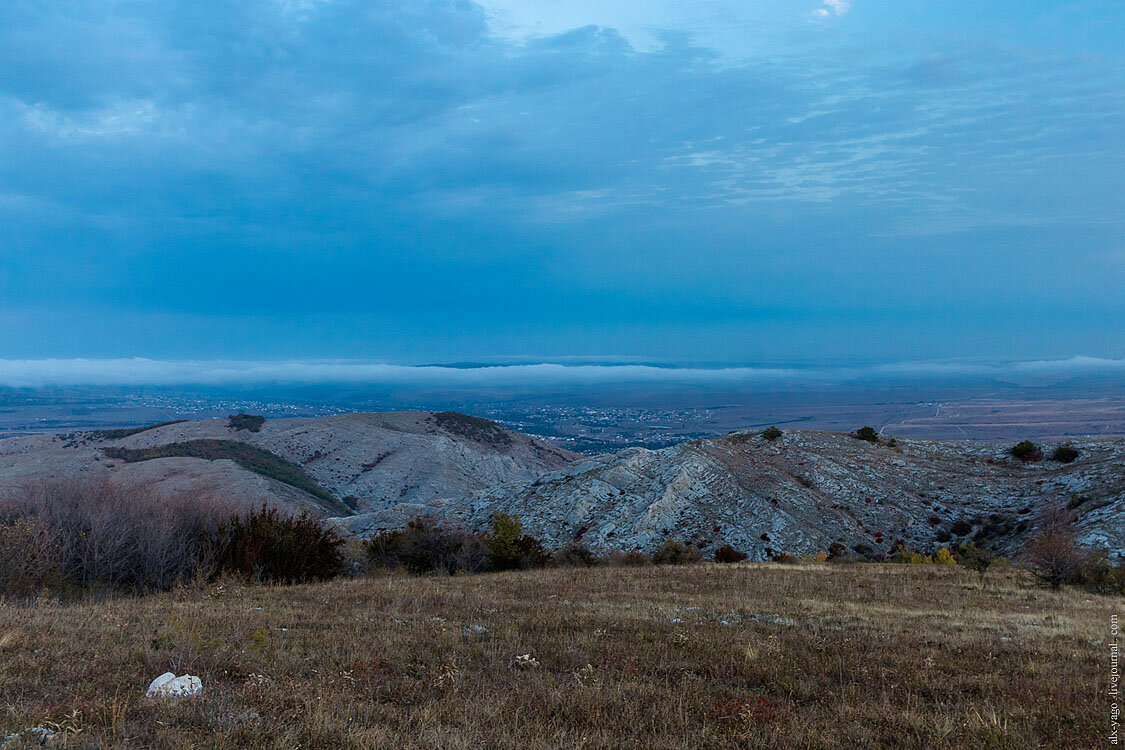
[{"x": 168, "y": 685}]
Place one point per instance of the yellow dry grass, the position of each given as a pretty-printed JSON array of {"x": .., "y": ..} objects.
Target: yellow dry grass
[{"x": 701, "y": 656}]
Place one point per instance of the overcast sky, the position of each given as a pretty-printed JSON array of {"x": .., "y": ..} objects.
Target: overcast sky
[{"x": 718, "y": 180}]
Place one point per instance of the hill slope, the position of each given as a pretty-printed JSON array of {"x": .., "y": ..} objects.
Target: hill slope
[
  {"x": 377, "y": 460},
  {"x": 803, "y": 492}
]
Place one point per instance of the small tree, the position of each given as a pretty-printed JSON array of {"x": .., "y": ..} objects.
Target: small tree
[
  {"x": 503, "y": 542},
  {"x": 1053, "y": 555},
  {"x": 975, "y": 557},
  {"x": 771, "y": 433}
]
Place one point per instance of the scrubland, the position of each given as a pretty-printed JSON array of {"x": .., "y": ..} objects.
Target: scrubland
[{"x": 694, "y": 656}]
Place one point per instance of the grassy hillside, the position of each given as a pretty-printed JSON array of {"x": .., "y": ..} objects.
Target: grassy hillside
[
  {"x": 705, "y": 656},
  {"x": 249, "y": 457}
]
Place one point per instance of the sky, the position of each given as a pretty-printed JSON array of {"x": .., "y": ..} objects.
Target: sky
[{"x": 731, "y": 181}]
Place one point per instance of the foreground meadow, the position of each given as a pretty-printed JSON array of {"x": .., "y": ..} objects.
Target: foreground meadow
[{"x": 749, "y": 655}]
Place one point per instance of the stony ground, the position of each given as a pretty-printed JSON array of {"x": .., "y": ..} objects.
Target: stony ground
[
  {"x": 805, "y": 491},
  {"x": 705, "y": 656}
]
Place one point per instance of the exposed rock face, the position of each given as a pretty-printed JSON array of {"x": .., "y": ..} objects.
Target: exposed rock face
[
  {"x": 801, "y": 493},
  {"x": 381, "y": 459}
]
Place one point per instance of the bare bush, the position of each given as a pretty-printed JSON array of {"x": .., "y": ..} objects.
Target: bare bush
[
  {"x": 427, "y": 545},
  {"x": 1053, "y": 555},
  {"x": 107, "y": 536},
  {"x": 29, "y": 560}
]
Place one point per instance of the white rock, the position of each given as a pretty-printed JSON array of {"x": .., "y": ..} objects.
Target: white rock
[{"x": 169, "y": 685}]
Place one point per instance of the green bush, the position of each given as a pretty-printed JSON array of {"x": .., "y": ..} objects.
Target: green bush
[
  {"x": 870, "y": 434},
  {"x": 273, "y": 547},
  {"x": 771, "y": 433},
  {"x": 977, "y": 558},
  {"x": 503, "y": 542}
]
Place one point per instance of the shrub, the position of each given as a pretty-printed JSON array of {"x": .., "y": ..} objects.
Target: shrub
[
  {"x": 385, "y": 550},
  {"x": 93, "y": 535},
  {"x": 251, "y": 422},
  {"x": 427, "y": 546},
  {"x": 270, "y": 546},
  {"x": 977, "y": 558},
  {"x": 1100, "y": 575},
  {"x": 675, "y": 553},
  {"x": 771, "y": 433},
  {"x": 961, "y": 528},
  {"x": 30, "y": 561},
  {"x": 728, "y": 554},
  {"x": 1065, "y": 454},
  {"x": 575, "y": 555},
  {"x": 1025, "y": 450},
  {"x": 870, "y": 434},
  {"x": 1053, "y": 555},
  {"x": 902, "y": 554},
  {"x": 503, "y": 542},
  {"x": 632, "y": 559},
  {"x": 944, "y": 557},
  {"x": 532, "y": 553},
  {"x": 786, "y": 558}
]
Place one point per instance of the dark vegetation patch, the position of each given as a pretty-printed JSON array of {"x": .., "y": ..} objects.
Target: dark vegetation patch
[
  {"x": 1027, "y": 451},
  {"x": 127, "y": 431},
  {"x": 275, "y": 547},
  {"x": 870, "y": 434},
  {"x": 728, "y": 554},
  {"x": 250, "y": 422},
  {"x": 73, "y": 539},
  {"x": 249, "y": 457},
  {"x": 474, "y": 428},
  {"x": 771, "y": 433},
  {"x": 1065, "y": 454}
]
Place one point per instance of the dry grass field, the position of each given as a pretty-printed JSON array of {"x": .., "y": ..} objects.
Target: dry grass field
[{"x": 703, "y": 656}]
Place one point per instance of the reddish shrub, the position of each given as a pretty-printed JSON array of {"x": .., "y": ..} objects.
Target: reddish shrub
[{"x": 728, "y": 554}]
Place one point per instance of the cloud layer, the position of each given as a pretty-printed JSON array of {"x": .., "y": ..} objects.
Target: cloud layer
[
  {"x": 147, "y": 372},
  {"x": 321, "y": 179}
]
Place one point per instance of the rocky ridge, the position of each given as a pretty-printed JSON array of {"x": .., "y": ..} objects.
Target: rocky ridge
[{"x": 800, "y": 493}]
